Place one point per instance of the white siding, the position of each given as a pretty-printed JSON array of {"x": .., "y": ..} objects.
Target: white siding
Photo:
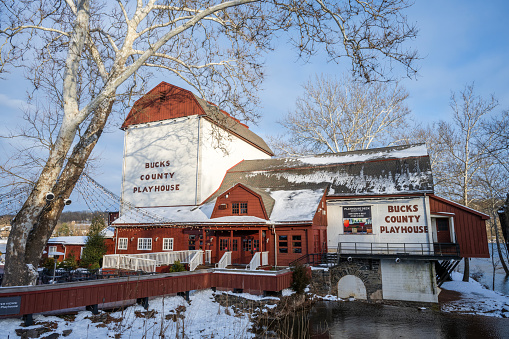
[
  {"x": 174, "y": 141},
  {"x": 216, "y": 159},
  {"x": 379, "y": 212}
]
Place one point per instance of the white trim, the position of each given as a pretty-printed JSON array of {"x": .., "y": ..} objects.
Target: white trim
[
  {"x": 170, "y": 241},
  {"x": 144, "y": 244},
  {"x": 52, "y": 249},
  {"x": 122, "y": 242}
]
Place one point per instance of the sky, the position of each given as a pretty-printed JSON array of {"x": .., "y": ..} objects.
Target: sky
[{"x": 460, "y": 42}]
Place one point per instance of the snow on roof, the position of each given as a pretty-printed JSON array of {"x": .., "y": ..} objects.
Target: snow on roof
[
  {"x": 173, "y": 214},
  {"x": 72, "y": 240},
  {"x": 298, "y": 205},
  {"x": 108, "y": 232},
  {"x": 418, "y": 150}
]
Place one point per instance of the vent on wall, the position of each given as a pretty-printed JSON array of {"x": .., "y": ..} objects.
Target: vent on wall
[{"x": 223, "y": 206}]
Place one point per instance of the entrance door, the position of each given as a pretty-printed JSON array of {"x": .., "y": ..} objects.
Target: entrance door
[
  {"x": 227, "y": 244},
  {"x": 443, "y": 230}
]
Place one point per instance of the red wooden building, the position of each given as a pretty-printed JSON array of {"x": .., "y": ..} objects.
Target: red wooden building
[{"x": 204, "y": 181}]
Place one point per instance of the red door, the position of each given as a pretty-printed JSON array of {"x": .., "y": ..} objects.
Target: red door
[
  {"x": 227, "y": 244},
  {"x": 443, "y": 230}
]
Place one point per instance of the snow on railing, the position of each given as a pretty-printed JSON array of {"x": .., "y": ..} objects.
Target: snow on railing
[
  {"x": 195, "y": 260},
  {"x": 226, "y": 260},
  {"x": 425, "y": 249}
]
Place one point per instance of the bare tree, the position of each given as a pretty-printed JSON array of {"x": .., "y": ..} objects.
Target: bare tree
[
  {"x": 336, "y": 115},
  {"x": 460, "y": 142},
  {"x": 87, "y": 57}
]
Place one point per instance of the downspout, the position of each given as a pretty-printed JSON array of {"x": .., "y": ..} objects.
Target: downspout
[{"x": 275, "y": 246}]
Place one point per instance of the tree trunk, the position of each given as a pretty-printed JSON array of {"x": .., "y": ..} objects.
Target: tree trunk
[
  {"x": 466, "y": 271},
  {"x": 30, "y": 230}
]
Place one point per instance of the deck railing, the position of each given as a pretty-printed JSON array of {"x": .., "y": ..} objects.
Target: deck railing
[
  {"x": 418, "y": 249},
  {"x": 195, "y": 260},
  {"x": 259, "y": 259},
  {"x": 226, "y": 260},
  {"x": 147, "y": 262}
]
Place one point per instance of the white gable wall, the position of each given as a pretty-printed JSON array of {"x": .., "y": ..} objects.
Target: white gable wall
[
  {"x": 160, "y": 162},
  {"x": 219, "y": 151}
]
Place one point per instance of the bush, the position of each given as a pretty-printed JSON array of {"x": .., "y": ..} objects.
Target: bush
[
  {"x": 300, "y": 278},
  {"x": 69, "y": 264},
  {"x": 95, "y": 248},
  {"x": 49, "y": 263},
  {"x": 177, "y": 267}
]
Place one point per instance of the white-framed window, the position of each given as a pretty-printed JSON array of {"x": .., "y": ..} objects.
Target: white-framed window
[
  {"x": 52, "y": 249},
  {"x": 167, "y": 244},
  {"x": 81, "y": 252},
  {"x": 122, "y": 243},
  {"x": 144, "y": 244}
]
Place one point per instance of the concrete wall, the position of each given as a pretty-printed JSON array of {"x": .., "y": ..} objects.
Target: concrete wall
[{"x": 409, "y": 281}]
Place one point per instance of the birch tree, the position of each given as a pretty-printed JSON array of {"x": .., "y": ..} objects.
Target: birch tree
[
  {"x": 90, "y": 57},
  {"x": 337, "y": 115},
  {"x": 460, "y": 142}
]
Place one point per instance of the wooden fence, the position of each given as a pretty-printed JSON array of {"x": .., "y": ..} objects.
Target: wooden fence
[{"x": 27, "y": 300}]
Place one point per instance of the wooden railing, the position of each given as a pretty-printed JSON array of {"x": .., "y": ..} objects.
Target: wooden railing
[
  {"x": 259, "y": 259},
  {"x": 147, "y": 262},
  {"x": 226, "y": 260}
]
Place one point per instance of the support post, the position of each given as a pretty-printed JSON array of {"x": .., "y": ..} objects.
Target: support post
[
  {"x": 143, "y": 302},
  {"x": 93, "y": 308},
  {"x": 28, "y": 319}
]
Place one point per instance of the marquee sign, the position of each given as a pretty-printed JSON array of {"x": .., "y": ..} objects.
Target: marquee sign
[{"x": 357, "y": 220}]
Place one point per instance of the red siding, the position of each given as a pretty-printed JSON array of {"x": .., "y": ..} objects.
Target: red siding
[
  {"x": 239, "y": 194},
  {"x": 163, "y": 102},
  {"x": 44, "y": 298},
  {"x": 469, "y": 226}
]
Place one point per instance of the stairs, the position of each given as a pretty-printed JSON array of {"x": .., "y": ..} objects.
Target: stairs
[{"x": 443, "y": 270}]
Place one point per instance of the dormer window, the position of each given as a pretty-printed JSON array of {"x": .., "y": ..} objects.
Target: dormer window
[{"x": 239, "y": 208}]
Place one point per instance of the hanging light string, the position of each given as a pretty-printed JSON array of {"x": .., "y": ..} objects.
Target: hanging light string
[{"x": 99, "y": 196}]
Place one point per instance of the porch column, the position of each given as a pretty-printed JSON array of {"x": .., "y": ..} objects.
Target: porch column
[
  {"x": 260, "y": 241},
  {"x": 230, "y": 245}
]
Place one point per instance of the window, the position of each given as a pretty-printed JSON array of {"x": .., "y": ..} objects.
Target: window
[
  {"x": 167, "y": 244},
  {"x": 52, "y": 249},
  {"x": 296, "y": 244},
  {"x": 243, "y": 208},
  {"x": 256, "y": 245},
  {"x": 246, "y": 245},
  {"x": 122, "y": 243},
  {"x": 283, "y": 244},
  {"x": 192, "y": 242},
  {"x": 145, "y": 244},
  {"x": 223, "y": 244},
  {"x": 81, "y": 252},
  {"x": 239, "y": 208}
]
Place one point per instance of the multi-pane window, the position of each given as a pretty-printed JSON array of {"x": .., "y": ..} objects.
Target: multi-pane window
[
  {"x": 144, "y": 244},
  {"x": 256, "y": 245},
  {"x": 239, "y": 208},
  {"x": 223, "y": 244},
  {"x": 122, "y": 243},
  {"x": 52, "y": 249},
  {"x": 167, "y": 244},
  {"x": 297, "y": 243},
  {"x": 192, "y": 242},
  {"x": 283, "y": 244},
  {"x": 243, "y": 208},
  {"x": 247, "y": 245}
]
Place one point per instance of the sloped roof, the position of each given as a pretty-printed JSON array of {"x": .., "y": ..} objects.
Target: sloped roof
[
  {"x": 381, "y": 171},
  {"x": 166, "y": 101}
]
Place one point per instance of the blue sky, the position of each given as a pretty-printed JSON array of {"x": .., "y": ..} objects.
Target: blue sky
[{"x": 460, "y": 41}]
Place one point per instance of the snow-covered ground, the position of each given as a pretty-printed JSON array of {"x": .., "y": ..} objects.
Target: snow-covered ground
[
  {"x": 203, "y": 317},
  {"x": 475, "y": 299},
  {"x": 174, "y": 317}
]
